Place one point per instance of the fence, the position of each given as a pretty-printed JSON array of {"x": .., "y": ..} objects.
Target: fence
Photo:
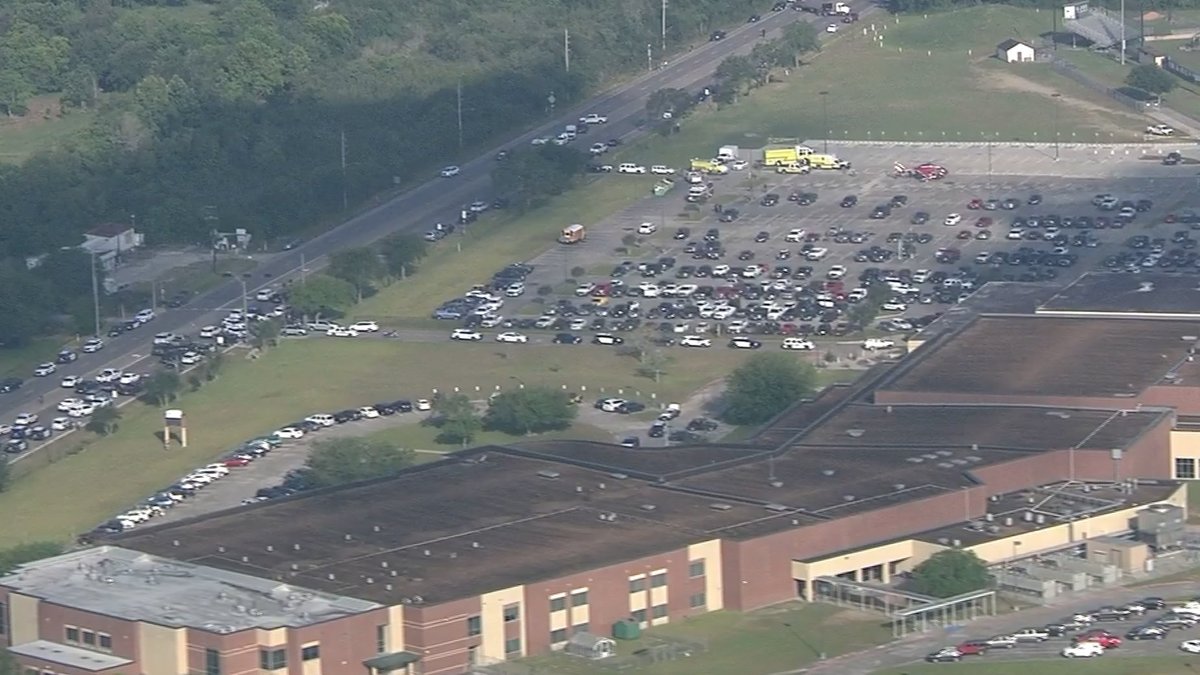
[
  {"x": 1182, "y": 71},
  {"x": 1074, "y": 73}
]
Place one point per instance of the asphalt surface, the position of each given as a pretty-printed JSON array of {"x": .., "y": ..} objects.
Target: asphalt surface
[{"x": 437, "y": 200}]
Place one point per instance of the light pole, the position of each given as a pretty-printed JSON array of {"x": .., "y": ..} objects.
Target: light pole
[
  {"x": 825, "y": 116},
  {"x": 242, "y": 281},
  {"x": 1056, "y": 98},
  {"x": 95, "y": 293}
]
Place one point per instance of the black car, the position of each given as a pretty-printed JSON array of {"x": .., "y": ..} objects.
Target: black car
[
  {"x": 16, "y": 445},
  {"x": 880, "y": 212},
  {"x": 631, "y": 407},
  {"x": 702, "y": 424},
  {"x": 501, "y": 156},
  {"x": 566, "y": 339},
  {"x": 807, "y": 199},
  {"x": 1034, "y": 200},
  {"x": 10, "y": 384},
  {"x": 1110, "y": 614},
  {"x": 384, "y": 409},
  {"x": 682, "y": 436},
  {"x": 657, "y": 430},
  {"x": 753, "y": 18},
  {"x": 898, "y": 201},
  {"x": 769, "y": 199},
  {"x": 1153, "y": 603},
  {"x": 1147, "y": 633},
  {"x": 849, "y": 201},
  {"x": 716, "y": 35},
  {"x": 631, "y": 442},
  {"x": 729, "y": 215},
  {"x": 66, "y": 356},
  {"x": 682, "y": 233},
  {"x": 403, "y": 406},
  {"x": 762, "y": 237},
  {"x": 944, "y": 656}
]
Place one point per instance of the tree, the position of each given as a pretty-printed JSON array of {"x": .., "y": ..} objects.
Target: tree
[
  {"x": 336, "y": 461},
  {"x": 764, "y": 386},
  {"x": 668, "y": 105},
  {"x": 15, "y": 556},
  {"x": 800, "y": 38},
  {"x": 321, "y": 294},
  {"x": 5, "y": 473},
  {"x": 530, "y": 410},
  {"x": 532, "y": 174},
  {"x": 457, "y": 420},
  {"x": 104, "y": 421},
  {"x": 162, "y": 387},
  {"x": 950, "y": 572},
  {"x": 1150, "y": 78},
  {"x": 359, "y": 266},
  {"x": 735, "y": 72},
  {"x": 401, "y": 253},
  {"x": 265, "y": 333}
]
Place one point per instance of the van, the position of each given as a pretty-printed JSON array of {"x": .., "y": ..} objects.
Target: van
[
  {"x": 697, "y": 193},
  {"x": 571, "y": 131}
]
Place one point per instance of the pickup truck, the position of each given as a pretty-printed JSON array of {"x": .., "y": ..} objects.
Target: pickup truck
[{"x": 1031, "y": 635}]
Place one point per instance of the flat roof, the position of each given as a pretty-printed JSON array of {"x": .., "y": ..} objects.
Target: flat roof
[
  {"x": 139, "y": 586},
  {"x": 1050, "y": 356},
  {"x": 66, "y": 655},
  {"x": 994, "y": 297},
  {"x": 1115, "y": 294},
  {"x": 1055, "y": 503}
]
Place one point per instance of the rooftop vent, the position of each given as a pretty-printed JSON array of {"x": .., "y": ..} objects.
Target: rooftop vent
[
  {"x": 427, "y": 552},
  {"x": 973, "y": 458},
  {"x": 959, "y": 461},
  {"x": 370, "y": 580},
  {"x": 332, "y": 576},
  {"x": 915, "y": 460},
  {"x": 383, "y": 564},
  {"x": 719, "y": 506},
  {"x": 549, "y": 474},
  {"x": 776, "y": 483},
  {"x": 993, "y": 529},
  {"x": 775, "y": 507},
  {"x": 245, "y": 558},
  {"x": 619, "y": 476},
  {"x": 295, "y": 567},
  {"x": 827, "y": 472},
  {"x": 944, "y": 541},
  {"x": 957, "y": 543},
  {"x": 1060, "y": 414},
  {"x": 347, "y": 537},
  {"x": 1145, "y": 287},
  {"x": 475, "y": 544},
  {"x": 608, "y": 517},
  {"x": 375, "y": 528},
  {"x": 930, "y": 455},
  {"x": 848, "y": 498},
  {"x": 578, "y": 489},
  {"x": 855, "y": 433},
  {"x": 295, "y": 547},
  {"x": 601, "y": 486},
  {"x": 174, "y": 542},
  {"x": 220, "y": 549},
  {"x": 945, "y": 465},
  {"x": 270, "y": 548},
  {"x": 648, "y": 507},
  {"x": 943, "y": 453},
  {"x": 898, "y": 486}
]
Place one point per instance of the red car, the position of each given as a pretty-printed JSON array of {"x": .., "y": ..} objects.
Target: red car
[
  {"x": 972, "y": 648},
  {"x": 1103, "y": 637},
  {"x": 983, "y": 222},
  {"x": 975, "y": 204},
  {"x": 236, "y": 461}
]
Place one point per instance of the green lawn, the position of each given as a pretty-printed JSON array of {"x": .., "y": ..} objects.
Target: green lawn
[
  {"x": 775, "y": 640},
  {"x": 255, "y": 397},
  {"x": 20, "y": 362},
  {"x": 420, "y": 436},
  {"x": 1115, "y": 665},
  {"x": 22, "y": 137}
]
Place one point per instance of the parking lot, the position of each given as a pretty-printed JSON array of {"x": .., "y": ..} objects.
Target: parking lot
[{"x": 776, "y": 255}]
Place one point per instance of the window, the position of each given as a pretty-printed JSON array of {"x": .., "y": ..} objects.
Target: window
[
  {"x": 639, "y": 615},
  {"x": 696, "y": 568},
  {"x": 637, "y": 585},
  {"x": 310, "y": 653},
  {"x": 658, "y": 580},
  {"x": 697, "y": 601},
  {"x": 1185, "y": 467},
  {"x": 89, "y": 638},
  {"x": 579, "y": 599},
  {"x": 512, "y": 646},
  {"x": 658, "y": 611},
  {"x": 474, "y": 625},
  {"x": 3, "y": 618},
  {"x": 381, "y": 639},
  {"x": 558, "y": 604},
  {"x": 512, "y": 612},
  {"x": 212, "y": 662},
  {"x": 580, "y": 627},
  {"x": 557, "y": 636},
  {"x": 105, "y": 641},
  {"x": 272, "y": 659},
  {"x": 72, "y": 635}
]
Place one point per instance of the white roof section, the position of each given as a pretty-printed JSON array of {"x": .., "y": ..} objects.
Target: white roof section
[
  {"x": 138, "y": 586},
  {"x": 66, "y": 655}
]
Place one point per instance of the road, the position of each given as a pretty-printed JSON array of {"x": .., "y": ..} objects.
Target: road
[{"x": 437, "y": 200}]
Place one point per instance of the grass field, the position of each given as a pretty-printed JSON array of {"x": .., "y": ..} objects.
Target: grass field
[
  {"x": 1117, "y": 665},
  {"x": 776, "y": 640},
  {"x": 255, "y": 397},
  {"x": 959, "y": 92},
  {"x": 420, "y": 436},
  {"x": 41, "y": 128},
  {"x": 21, "y": 361}
]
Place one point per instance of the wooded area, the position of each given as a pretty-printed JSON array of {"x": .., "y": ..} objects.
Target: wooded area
[{"x": 233, "y": 113}]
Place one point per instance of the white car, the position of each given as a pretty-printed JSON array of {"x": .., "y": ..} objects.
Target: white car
[
  {"x": 877, "y": 343},
  {"x": 466, "y": 334},
  {"x": 187, "y": 359},
  {"x": 795, "y": 236},
  {"x": 1159, "y": 130},
  {"x": 82, "y": 410},
  {"x": 25, "y": 419},
  {"x": 92, "y": 346},
  {"x": 739, "y": 164},
  {"x": 894, "y": 306},
  {"x": 323, "y": 419},
  {"x": 1190, "y": 646},
  {"x": 836, "y": 272},
  {"x": 598, "y": 149},
  {"x": 424, "y": 405},
  {"x": 134, "y": 378},
  {"x": 540, "y": 140},
  {"x": 744, "y": 343},
  {"x": 209, "y": 332},
  {"x": 647, "y": 228},
  {"x": 364, "y": 326},
  {"x": 289, "y": 433},
  {"x": 5, "y": 429},
  {"x": 510, "y": 336},
  {"x": 478, "y": 207},
  {"x": 264, "y": 294},
  {"x": 450, "y": 171},
  {"x": 44, "y": 370},
  {"x": 694, "y": 341},
  {"x": 108, "y": 375},
  {"x": 831, "y": 28},
  {"x": 61, "y": 423},
  {"x": 66, "y": 404},
  {"x": 797, "y": 344},
  {"x": 662, "y": 170},
  {"x": 952, "y": 219},
  {"x": 340, "y": 331},
  {"x": 70, "y": 381},
  {"x": 631, "y": 168},
  {"x": 164, "y": 338},
  {"x": 593, "y": 118},
  {"x": 1085, "y": 650},
  {"x": 368, "y": 413}
]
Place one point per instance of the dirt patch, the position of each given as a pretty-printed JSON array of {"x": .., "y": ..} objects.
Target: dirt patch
[
  {"x": 1151, "y": 16},
  {"x": 41, "y": 109},
  {"x": 1000, "y": 80}
]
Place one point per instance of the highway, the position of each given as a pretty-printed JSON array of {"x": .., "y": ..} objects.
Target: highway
[{"x": 416, "y": 210}]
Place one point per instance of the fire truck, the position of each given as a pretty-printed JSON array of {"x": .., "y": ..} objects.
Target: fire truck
[{"x": 922, "y": 172}]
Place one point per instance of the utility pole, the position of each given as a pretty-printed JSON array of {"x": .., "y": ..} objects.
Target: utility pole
[
  {"x": 95, "y": 294},
  {"x": 1122, "y": 32},
  {"x": 567, "y": 50},
  {"x": 664, "y": 26},
  {"x": 649, "y": 61},
  {"x": 458, "y": 93},
  {"x": 345, "y": 197}
]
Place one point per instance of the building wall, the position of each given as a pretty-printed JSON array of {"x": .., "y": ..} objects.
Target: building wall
[
  {"x": 23, "y": 618},
  {"x": 1185, "y": 454},
  {"x": 164, "y": 650},
  {"x": 1184, "y": 399},
  {"x": 439, "y": 633}
]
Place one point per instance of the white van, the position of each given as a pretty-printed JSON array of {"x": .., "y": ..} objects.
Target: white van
[{"x": 696, "y": 193}]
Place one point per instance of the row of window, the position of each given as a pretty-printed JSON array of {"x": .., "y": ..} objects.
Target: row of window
[
  {"x": 1185, "y": 467},
  {"x": 560, "y": 635},
  {"x": 659, "y": 579},
  {"x": 275, "y": 659},
  {"x": 559, "y": 603},
  {"x": 88, "y": 638}
]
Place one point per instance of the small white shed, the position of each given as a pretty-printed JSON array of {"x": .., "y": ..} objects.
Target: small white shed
[{"x": 1014, "y": 51}]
